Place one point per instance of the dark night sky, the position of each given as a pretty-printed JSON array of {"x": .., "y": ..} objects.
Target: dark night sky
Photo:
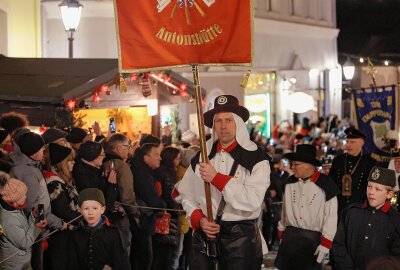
[{"x": 369, "y": 28}]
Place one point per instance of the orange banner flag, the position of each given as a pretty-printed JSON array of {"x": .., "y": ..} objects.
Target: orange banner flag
[{"x": 162, "y": 34}]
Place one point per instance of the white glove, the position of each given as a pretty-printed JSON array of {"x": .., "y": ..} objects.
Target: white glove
[{"x": 321, "y": 252}]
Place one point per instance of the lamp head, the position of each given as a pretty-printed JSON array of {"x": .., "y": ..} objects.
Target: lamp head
[
  {"x": 70, "y": 14},
  {"x": 348, "y": 69}
]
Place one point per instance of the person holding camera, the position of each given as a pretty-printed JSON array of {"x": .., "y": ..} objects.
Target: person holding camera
[
  {"x": 26, "y": 160},
  {"x": 20, "y": 231},
  {"x": 123, "y": 216}
]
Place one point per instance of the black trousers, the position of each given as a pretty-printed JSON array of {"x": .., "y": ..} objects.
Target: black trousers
[
  {"x": 239, "y": 245},
  {"x": 297, "y": 250}
]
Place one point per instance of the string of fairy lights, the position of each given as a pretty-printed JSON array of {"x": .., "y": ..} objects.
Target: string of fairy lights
[
  {"x": 144, "y": 79},
  {"x": 363, "y": 60}
]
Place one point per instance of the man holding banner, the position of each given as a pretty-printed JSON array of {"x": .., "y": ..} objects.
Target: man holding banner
[
  {"x": 163, "y": 34},
  {"x": 239, "y": 175}
]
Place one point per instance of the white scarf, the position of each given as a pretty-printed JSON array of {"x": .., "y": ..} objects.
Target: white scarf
[{"x": 242, "y": 136}]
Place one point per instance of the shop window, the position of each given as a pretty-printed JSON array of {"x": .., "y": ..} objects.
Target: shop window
[
  {"x": 259, "y": 99},
  {"x": 129, "y": 121}
]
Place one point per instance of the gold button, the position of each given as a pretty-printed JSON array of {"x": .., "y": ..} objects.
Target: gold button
[{"x": 366, "y": 237}]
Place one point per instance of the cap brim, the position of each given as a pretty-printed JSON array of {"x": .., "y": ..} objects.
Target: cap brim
[
  {"x": 303, "y": 158},
  {"x": 355, "y": 137}
]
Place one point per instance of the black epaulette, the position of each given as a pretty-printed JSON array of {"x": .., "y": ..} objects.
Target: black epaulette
[
  {"x": 245, "y": 158},
  {"x": 324, "y": 182}
]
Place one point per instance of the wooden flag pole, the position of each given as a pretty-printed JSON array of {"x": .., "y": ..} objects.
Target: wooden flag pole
[{"x": 203, "y": 148}]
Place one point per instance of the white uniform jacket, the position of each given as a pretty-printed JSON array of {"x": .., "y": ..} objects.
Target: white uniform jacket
[
  {"x": 311, "y": 205},
  {"x": 243, "y": 193}
]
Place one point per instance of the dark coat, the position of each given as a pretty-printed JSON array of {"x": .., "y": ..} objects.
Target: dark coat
[
  {"x": 167, "y": 177},
  {"x": 64, "y": 205},
  {"x": 364, "y": 233},
  {"x": 273, "y": 206},
  {"x": 63, "y": 198},
  {"x": 87, "y": 176},
  {"x": 146, "y": 194},
  {"x": 359, "y": 178},
  {"x": 93, "y": 248}
]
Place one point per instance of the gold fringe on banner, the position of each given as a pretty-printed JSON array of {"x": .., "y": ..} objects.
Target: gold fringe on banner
[
  {"x": 122, "y": 84},
  {"x": 245, "y": 79},
  {"x": 350, "y": 90}
]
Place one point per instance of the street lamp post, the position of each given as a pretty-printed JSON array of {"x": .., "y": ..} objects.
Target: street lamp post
[{"x": 71, "y": 15}]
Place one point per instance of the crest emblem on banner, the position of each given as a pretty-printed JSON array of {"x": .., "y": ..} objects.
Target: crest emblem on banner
[
  {"x": 163, "y": 34},
  {"x": 379, "y": 131},
  {"x": 185, "y": 5},
  {"x": 162, "y": 4}
]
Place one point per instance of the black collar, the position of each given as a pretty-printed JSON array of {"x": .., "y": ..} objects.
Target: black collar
[
  {"x": 245, "y": 158},
  {"x": 110, "y": 156}
]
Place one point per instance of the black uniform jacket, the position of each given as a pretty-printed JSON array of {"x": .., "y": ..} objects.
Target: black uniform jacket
[
  {"x": 359, "y": 177},
  {"x": 93, "y": 248},
  {"x": 364, "y": 233}
]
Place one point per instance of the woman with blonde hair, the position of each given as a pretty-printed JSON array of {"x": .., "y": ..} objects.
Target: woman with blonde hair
[{"x": 64, "y": 203}]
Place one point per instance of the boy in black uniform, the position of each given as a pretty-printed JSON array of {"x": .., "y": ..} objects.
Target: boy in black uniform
[
  {"x": 96, "y": 244},
  {"x": 369, "y": 230}
]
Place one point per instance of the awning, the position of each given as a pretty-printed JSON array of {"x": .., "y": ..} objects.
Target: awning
[{"x": 55, "y": 80}]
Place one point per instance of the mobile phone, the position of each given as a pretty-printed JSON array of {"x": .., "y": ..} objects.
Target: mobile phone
[
  {"x": 40, "y": 217},
  {"x": 112, "y": 125},
  {"x": 285, "y": 162},
  {"x": 112, "y": 165}
]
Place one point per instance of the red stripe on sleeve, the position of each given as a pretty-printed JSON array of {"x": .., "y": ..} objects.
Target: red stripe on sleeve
[
  {"x": 195, "y": 218},
  {"x": 326, "y": 243},
  {"x": 220, "y": 180}
]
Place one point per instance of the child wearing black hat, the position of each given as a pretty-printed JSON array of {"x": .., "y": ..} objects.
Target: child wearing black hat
[
  {"x": 369, "y": 230},
  {"x": 96, "y": 244}
]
